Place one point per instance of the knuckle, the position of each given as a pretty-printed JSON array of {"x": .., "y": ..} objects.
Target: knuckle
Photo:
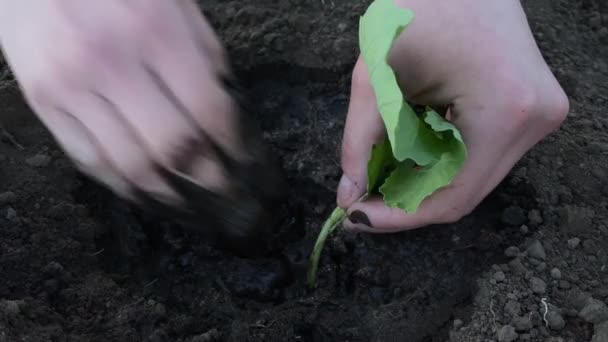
[
  {"x": 80, "y": 57},
  {"x": 520, "y": 103},
  {"x": 545, "y": 108},
  {"x": 557, "y": 110},
  {"x": 151, "y": 24}
]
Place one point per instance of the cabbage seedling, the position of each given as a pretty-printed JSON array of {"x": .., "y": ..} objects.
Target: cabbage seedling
[{"x": 422, "y": 153}]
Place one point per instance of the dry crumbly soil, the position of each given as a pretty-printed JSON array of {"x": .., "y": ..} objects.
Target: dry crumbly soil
[{"x": 530, "y": 264}]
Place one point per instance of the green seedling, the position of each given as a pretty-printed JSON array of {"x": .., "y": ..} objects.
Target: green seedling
[{"x": 422, "y": 153}]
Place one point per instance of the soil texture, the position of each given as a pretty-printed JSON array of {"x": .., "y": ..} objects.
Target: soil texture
[{"x": 530, "y": 264}]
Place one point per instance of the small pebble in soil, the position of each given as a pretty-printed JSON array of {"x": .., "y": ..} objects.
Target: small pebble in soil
[
  {"x": 513, "y": 216},
  {"x": 11, "y": 307},
  {"x": 517, "y": 267},
  {"x": 52, "y": 269},
  {"x": 39, "y": 160},
  {"x": 556, "y": 273},
  {"x": 523, "y": 323},
  {"x": 458, "y": 323},
  {"x": 507, "y": 334},
  {"x": 600, "y": 333},
  {"x": 11, "y": 214},
  {"x": 512, "y": 308},
  {"x": 512, "y": 251},
  {"x": 536, "y": 250},
  {"x": 573, "y": 243},
  {"x": 537, "y": 285},
  {"x": 555, "y": 320},
  {"x": 541, "y": 267},
  {"x": 7, "y": 197},
  {"x": 524, "y": 229},
  {"x": 594, "y": 311},
  {"x": 499, "y": 276}
]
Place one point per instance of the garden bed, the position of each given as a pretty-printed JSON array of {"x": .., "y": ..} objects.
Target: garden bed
[{"x": 77, "y": 264}]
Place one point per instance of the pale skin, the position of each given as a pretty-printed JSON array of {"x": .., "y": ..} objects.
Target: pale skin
[
  {"x": 91, "y": 72},
  {"x": 121, "y": 84}
]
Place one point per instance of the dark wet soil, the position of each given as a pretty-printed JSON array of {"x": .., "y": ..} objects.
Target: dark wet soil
[{"x": 77, "y": 264}]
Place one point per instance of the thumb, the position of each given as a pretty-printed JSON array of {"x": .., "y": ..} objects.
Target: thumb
[{"x": 363, "y": 129}]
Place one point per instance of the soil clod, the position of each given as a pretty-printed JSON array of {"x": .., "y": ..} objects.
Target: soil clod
[
  {"x": 538, "y": 286},
  {"x": 39, "y": 160},
  {"x": 536, "y": 250},
  {"x": 75, "y": 261},
  {"x": 507, "y": 334},
  {"x": 594, "y": 311}
]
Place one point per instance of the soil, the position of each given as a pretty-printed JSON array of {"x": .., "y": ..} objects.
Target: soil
[{"x": 530, "y": 264}]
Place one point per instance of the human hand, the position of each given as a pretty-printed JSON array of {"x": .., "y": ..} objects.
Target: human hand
[
  {"x": 135, "y": 93},
  {"x": 480, "y": 59}
]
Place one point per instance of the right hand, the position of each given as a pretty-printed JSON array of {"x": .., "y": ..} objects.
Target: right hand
[
  {"x": 136, "y": 90},
  {"x": 478, "y": 59}
]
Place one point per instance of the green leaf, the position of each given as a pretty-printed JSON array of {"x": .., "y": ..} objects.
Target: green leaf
[
  {"x": 426, "y": 153},
  {"x": 379, "y": 164},
  {"x": 439, "y": 124},
  {"x": 409, "y": 184},
  {"x": 378, "y": 28},
  {"x": 420, "y": 155}
]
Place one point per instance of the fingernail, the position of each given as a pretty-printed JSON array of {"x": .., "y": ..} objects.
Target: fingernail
[
  {"x": 346, "y": 188},
  {"x": 359, "y": 217}
]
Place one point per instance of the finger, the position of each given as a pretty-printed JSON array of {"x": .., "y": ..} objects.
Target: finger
[
  {"x": 375, "y": 217},
  {"x": 159, "y": 122},
  {"x": 204, "y": 35},
  {"x": 363, "y": 129},
  {"x": 81, "y": 148},
  {"x": 79, "y": 142},
  {"x": 170, "y": 55},
  {"x": 188, "y": 61},
  {"x": 119, "y": 147}
]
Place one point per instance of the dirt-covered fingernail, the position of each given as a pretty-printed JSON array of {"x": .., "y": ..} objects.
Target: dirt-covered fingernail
[{"x": 359, "y": 217}]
